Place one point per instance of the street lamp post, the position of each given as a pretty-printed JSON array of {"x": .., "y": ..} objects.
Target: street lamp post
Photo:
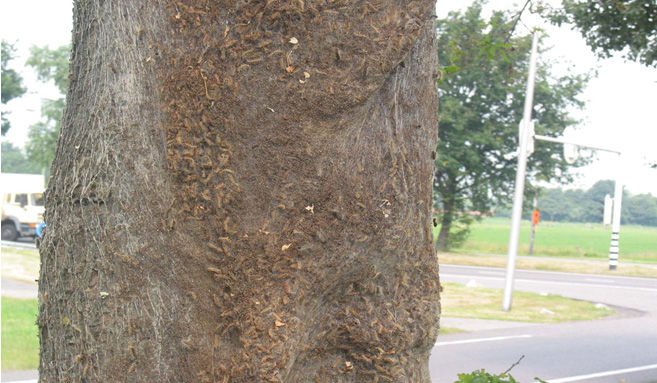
[
  {"x": 526, "y": 143},
  {"x": 516, "y": 213}
]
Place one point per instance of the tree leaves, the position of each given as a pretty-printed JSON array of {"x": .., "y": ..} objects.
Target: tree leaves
[
  {"x": 12, "y": 82},
  {"x": 629, "y": 26},
  {"x": 51, "y": 65},
  {"x": 481, "y": 376}
]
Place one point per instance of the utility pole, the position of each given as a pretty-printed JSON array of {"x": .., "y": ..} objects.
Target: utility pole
[
  {"x": 526, "y": 144},
  {"x": 516, "y": 213}
]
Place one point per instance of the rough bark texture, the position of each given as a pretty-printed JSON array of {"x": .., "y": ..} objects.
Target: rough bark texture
[{"x": 242, "y": 193}]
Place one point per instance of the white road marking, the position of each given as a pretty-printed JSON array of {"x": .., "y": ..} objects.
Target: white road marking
[
  {"x": 618, "y": 277},
  {"x": 18, "y": 245},
  {"x": 24, "y": 381},
  {"x": 493, "y": 339},
  {"x": 496, "y": 273},
  {"x": 590, "y": 285},
  {"x": 600, "y": 280},
  {"x": 557, "y": 282},
  {"x": 601, "y": 374}
]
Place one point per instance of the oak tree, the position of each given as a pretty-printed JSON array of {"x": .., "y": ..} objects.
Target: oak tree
[{"x": 241, "y": 192}]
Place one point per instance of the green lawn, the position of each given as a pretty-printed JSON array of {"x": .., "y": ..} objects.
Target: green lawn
[
  {"x": 556, "y": 239},
  {"x": 20, "y": 342},
  {"x": 485, "y": 303},
  {"x": 451, "y": 330}
]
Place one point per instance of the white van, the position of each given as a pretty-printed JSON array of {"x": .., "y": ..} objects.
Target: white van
[{"x": 22, "y": 204}]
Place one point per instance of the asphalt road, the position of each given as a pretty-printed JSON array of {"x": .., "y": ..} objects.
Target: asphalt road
[
  {"x": 21, "y": 243},
  {"x": 620, "y": 349},
  {"x": 17, "y": 289}
]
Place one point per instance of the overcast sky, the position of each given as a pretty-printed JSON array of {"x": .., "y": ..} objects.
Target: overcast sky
[{"x": 620, "y": 109}]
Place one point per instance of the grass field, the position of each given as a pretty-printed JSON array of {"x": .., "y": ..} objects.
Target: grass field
[
  {"x": 20, "y": 264},
  {"x": 556, "y": 239},
  {"x": 20, "y": 342},
  {"x": 474, "y": 302}
]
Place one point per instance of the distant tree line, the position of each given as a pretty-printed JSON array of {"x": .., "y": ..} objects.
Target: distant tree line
[
  {"x": 578, "y": 205},
  {"x": 14, "y": 161}
]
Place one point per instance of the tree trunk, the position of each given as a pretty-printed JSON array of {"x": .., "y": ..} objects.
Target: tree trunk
[
  {"x": 446, "y": 219},
  {"x": 242, "y": 193},
  {"x": 448, "y": 195}
]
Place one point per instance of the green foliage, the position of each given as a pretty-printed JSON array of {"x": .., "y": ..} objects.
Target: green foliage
[
  {"x": 629, "y": 26},
  {"x": 575, "y": 205},
  {"x": 459, "y": 230},
  {"x": 641, "y": 210},
  {"x": 51, "y": 66},
  {"x": 482, "y": 96},
  {"x": 12, "y": 82},
  {"x": 42, "y": 136},
  {"x": 13, "y": 161},
  {"x": 481, "y": 376}
]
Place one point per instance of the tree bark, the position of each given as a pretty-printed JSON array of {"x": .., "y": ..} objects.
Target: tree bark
[{"x": 242, "y": 192}]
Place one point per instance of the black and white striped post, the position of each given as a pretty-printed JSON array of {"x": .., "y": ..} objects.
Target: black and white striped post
[
  {"x": 613, "y": 250},
  {"x": 616, "y": 222}
]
